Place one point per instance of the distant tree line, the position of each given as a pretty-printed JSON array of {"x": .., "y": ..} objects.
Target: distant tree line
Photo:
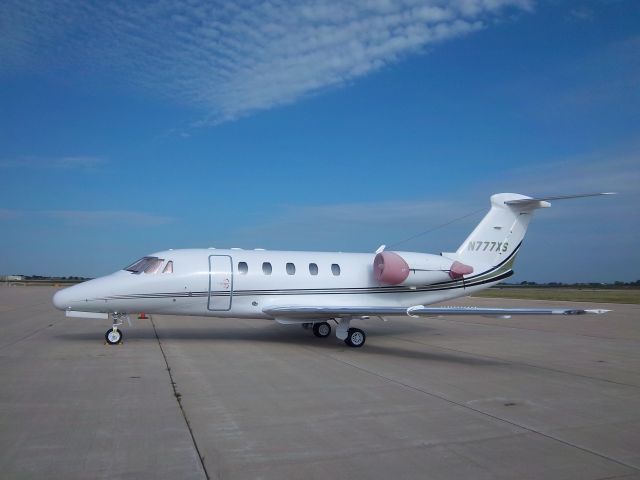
[
  {"x": 616, "y": 284},
  {"x": 40, "y": 277}
]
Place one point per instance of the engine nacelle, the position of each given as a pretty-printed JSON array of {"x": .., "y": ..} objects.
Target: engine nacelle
[{"x": 415, "y": 269}]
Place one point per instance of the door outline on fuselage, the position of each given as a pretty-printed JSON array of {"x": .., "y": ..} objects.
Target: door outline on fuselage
[{"x": 220, "y": 276}]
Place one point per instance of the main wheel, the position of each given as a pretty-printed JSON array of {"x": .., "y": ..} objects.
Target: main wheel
[
  {"x": 113, "y": 337},
  {"x": 322, "y": 329},
  {"x": 355, "y": 337}
]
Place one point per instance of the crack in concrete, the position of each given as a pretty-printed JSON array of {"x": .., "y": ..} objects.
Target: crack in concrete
[
  {"x": 516, "y": 362},
  {"x": 26, "y": 337},
  {"x": 481, "y": 412},
  {"x": 179, "y": 400}
]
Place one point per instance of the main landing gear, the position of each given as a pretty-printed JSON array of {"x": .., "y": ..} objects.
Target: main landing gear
[
  {"x": 114, "y": 335},
  {"x": 321, "y": 330},
  {"x": 354, "y": 337}
]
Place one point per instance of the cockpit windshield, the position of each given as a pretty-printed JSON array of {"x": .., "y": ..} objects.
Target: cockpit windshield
[{"x": 150, "y": 265}]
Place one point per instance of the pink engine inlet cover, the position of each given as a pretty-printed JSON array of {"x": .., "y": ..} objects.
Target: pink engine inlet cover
[
  {"x": 459, "y": 269},
  {"x": 390, "y": 268}
]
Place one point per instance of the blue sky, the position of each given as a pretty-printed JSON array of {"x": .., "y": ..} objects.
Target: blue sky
[{"x": 129, "y": 128}]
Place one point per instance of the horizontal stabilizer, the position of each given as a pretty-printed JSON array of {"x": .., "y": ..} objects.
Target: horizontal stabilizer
[{"x": 534, "y": 201}]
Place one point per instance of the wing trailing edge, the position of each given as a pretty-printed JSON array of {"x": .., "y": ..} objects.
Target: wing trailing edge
[
  {"x": 324, "y": 312},
  {"x": 421, "y": 311}
]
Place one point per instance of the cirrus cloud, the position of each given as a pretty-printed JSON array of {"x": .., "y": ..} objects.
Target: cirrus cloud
[
  {"x": 113, "y": 217},
  {"x": 81, "y": 162},
  {"x": 126, "y": 218},
  {"x": 232, "y": 58}
]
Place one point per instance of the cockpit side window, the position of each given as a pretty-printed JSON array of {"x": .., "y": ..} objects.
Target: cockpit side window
[
  {"x": 168, "y": 268},
  {"x": 154, "y": 265}
]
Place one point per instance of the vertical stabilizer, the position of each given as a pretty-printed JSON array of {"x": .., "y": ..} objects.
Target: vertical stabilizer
[{"x": 499, "y": 234}]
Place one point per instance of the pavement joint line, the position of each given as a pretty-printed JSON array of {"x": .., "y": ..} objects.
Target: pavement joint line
[
  {"x": 333, "y": 456},
  {"x": 177, "y": 396},
  {"x": 619, "y": 477},
  {"x": 20, "y": 307},
  {"x": 495, "y": 417},
  {"x": 515, "y": 327},
  {"x": 516, "y": 362},
  {"x": 26, "y": 337}
]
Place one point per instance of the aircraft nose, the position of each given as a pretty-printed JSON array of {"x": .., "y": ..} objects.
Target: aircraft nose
[{"x": 62, "y": 298}]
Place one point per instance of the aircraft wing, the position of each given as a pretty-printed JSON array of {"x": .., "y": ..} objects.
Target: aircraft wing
[
  {"x": 305, "y": 312},
  {"x": 311, "y": 312}
]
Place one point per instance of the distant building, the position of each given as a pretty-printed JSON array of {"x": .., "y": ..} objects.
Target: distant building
[{"x": 11, "y": 278}]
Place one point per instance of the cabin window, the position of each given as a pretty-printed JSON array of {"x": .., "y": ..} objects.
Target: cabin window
[
  {"x": 266, "y": 268},
  {"x": 291, "y": 269},
  {"x": 168, "y": 268},
  {"x": 335, "y": 269},
  {"x": 243, "y": 268},
  {"x": 313, "y": 269}
]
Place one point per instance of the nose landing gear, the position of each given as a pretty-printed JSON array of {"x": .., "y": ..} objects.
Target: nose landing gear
[{"x": 114, "y": 335}]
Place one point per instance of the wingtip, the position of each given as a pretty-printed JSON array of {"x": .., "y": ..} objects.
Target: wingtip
[{"x": 597, "y": 311}]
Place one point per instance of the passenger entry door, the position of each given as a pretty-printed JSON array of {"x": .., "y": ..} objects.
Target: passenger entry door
[{"x": 220, "y": 282}]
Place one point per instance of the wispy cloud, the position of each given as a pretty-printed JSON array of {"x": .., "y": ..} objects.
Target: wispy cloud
[
  {"x": 582, "y": 13},
  {"x": 358, "y": 225},
  {"x": 92, "y": 217},
  {"x": 604, "y": 79},
  {"x": 370, "y": 213},
  {"x": 345, "y": 225},
  {"x": 233, "y": 58},
  {"x": 82, "y": 162},
  {"x": 608, "y": 76},
  {"x": 6, "y": 214},
  {"x": 616, "y": 169},
  {"x": 112, "y": 217}
]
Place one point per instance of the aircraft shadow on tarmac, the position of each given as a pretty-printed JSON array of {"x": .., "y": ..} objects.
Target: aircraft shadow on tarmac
[{"x": 290, "y": 337}]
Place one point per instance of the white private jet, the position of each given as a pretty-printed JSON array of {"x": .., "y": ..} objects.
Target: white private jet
[{"x": 313, "y": 288}]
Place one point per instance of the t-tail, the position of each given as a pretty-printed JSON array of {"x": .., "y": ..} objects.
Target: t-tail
[{"x": 494, "y": 243}]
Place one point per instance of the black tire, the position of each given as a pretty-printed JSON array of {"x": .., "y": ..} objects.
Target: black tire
[
  {"x": 355, "y": 338},
  {"x": 322, "y": 329},
  {"x": 113, "y": 337}
]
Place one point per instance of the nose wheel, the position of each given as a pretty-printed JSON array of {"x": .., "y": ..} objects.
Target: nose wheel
[{"x": 113, "y": 336}]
